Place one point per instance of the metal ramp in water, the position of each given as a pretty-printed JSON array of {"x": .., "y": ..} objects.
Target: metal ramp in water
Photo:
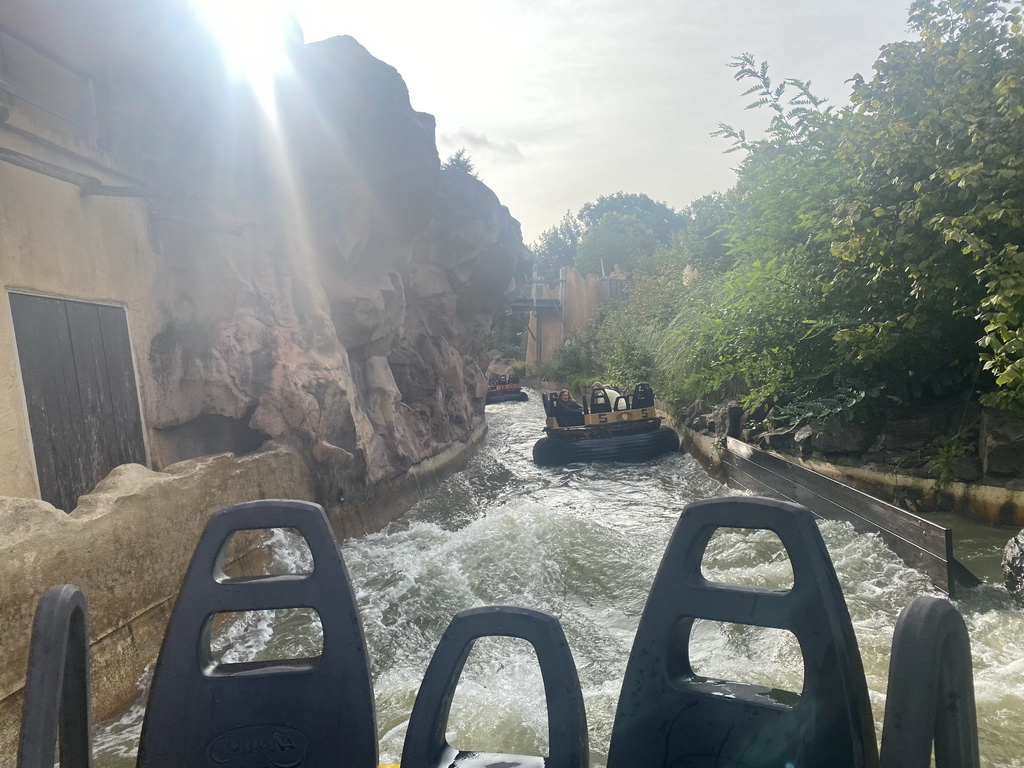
[{"x": 919, "y": 542}]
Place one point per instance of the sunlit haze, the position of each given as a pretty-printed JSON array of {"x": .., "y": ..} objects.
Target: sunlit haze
[
  {"x": 252, "y": 36},
  {"x": 558, "y": 102}
]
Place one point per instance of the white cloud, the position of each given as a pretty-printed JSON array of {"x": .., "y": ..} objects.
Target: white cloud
[{"x": 478, "y": 145}]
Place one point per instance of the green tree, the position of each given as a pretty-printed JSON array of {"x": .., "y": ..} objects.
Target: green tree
[
  {"x": 637, "y": 218},
  {"x": 659, "y": 218},
  {"x": 556, "y": 247},
  {"x": 460, "y": 161},
  {"x": 615, "y": 239},
  {"x": 705, "y": 235},
  {"x": 936, "y": 145}
]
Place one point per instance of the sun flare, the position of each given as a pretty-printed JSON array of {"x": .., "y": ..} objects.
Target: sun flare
[{"x": 253, "y": 36}]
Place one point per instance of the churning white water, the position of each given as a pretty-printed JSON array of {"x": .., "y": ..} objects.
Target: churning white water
[{"x": 583, "y": 543}]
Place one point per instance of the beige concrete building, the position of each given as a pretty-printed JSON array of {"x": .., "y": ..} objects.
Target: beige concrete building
[
  {"x": 76, "y": 268},
  {"x": 556, "y": 312}
]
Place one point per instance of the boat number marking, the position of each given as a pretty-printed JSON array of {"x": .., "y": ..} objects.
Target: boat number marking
[{"x": 636, "y": 413}]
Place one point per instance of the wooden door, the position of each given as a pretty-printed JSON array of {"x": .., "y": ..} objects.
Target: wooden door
[{"x": 79, "y": 381}]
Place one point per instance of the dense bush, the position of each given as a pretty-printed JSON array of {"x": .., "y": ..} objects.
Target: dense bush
[{"x": 864, "y": 253}]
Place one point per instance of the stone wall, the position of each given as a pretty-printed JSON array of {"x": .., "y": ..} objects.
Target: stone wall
[
  {"x": 126, "y": 547},
  {"x": 904, "y": 458}
]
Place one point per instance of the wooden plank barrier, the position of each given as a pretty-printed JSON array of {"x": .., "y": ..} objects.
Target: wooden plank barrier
[{"x": 920, "y": 543}]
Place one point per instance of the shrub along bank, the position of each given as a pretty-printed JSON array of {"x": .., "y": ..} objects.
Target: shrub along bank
[{"x": 864, "y": 273}]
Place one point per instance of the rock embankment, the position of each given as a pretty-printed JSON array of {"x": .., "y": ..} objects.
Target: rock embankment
[
  {"x": 1013, "y": 566},
  {"x": 946, "y": 457}
]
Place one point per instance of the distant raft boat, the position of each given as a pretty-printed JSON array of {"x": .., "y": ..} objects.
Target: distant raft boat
[
  {"x": 504, "y": 389},
  {"x": 627, "y": 430}
]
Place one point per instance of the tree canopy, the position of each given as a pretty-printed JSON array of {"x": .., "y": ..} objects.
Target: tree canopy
[
  {"x": 460, "y": 161},
  {"x": 867, "y": 256},
  {"x": 614, "y": 229}
]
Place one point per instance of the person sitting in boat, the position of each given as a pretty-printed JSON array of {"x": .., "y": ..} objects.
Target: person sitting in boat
[
  {"x": 613, "y": 396},
  {"x": 568, "y": 413}
]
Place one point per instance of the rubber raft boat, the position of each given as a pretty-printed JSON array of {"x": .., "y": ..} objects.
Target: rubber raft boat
[
  {"x": 504, "y": 389},
  {"x": 628, "y": 430},
  {"x": 205, "y": 712}
]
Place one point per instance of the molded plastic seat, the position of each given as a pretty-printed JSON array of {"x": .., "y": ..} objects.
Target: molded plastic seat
[
  {"x": 57, "y": 686},
  {"x": 426, "y": 745},
  {"x": 599, "y": 402},
  {"x": 643, "y": 396},
  {"x": 317, "y": 713},
  {"x": 668, "y": 715}
]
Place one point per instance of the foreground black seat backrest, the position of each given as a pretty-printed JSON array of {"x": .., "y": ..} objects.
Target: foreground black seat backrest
[
  {"x": 599, "y": 402},
  {"x": 426, "y": 745},
  {"x": 549, "y": 403},
  {"x": 57, "y": 685},
  {"x": 643, "y": 396},
  {"x": 929, "y": 703},
  {"x": 668, "y": 715},
  {"x": 314, "y": 713}
]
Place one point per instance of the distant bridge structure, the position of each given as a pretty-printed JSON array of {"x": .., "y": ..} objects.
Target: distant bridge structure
[{"x": 562, "y": 309}]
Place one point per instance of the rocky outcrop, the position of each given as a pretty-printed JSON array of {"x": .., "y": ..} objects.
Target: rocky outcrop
[
  {"x": 310, "y": 302},
  {"x": 1013, "y": 567},
  {"x": 322, "y": 283}
]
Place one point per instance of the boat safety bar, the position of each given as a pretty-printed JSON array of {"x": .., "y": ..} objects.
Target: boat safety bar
[
  {"x": 321, "y": 714},
  {"x": 426, "y": 745}
]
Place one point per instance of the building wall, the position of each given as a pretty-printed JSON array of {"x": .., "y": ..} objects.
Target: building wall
[
  {"x": 578, "y": 296},
  {"x": 582, "y": 296},
  {"x": 56, "y": 242},
  {"x": 545, "y": 337}
]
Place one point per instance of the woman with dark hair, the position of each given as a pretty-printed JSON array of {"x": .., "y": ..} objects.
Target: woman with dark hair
[{"x": 568, "y": 413}]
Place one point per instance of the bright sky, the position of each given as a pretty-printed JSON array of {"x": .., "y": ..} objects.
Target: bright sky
[{"x": 560, "y": 101}]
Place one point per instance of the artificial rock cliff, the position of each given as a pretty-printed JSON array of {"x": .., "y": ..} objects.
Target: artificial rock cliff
[
  {"x": 323, "y": 283},
  {"x": 308, "y": 296}
]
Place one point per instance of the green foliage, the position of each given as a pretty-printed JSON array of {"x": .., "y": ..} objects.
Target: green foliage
[
  {"x": 460, "y": 161},
  {"x": 574, "y": 364},
  {"x": 616, "y": 229},
  {"x": 704, "y": 236},
  {"x": 660, "y": 219},
  {"x": 863, "y": 255},
  {"x": 793, "y": 120},
  {"x": 614, "y": 239},
  {"x": 556, "y": 247},
  {"x": 936, "y": 147},
  {"x": 950, "y": 449},
  {"x": 508, "y": 335},
  {"x": 826, "y": 412}
]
